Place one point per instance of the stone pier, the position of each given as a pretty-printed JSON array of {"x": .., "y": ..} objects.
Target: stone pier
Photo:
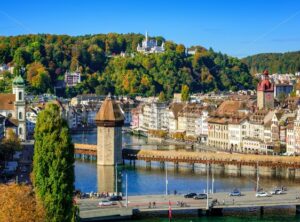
[
  {"x": 297, "y": 173},
  {"x": 218, "y": 169},
  {"x": 290, "y": 173},
  {"x": 233, "y": 170},
  {"x": 200, "y": 168},
  {"x": 248, "y": 170},
  {"x": 148, "y": 164},
  {"x": 280, "y": 172},
  {"x": 185, "y": 167},
  {"x": 266, "y": 171}
]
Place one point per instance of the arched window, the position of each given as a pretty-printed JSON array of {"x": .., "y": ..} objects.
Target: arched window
[
  {"x": 20, "y": 131},
  {"x": 20, "y": 115},
  {"x": 20, "y": 95}
]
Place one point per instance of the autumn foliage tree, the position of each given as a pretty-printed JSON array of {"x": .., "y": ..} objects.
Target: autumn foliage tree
[
  {"x": 53, "y": 170},
  {"x": 9, "y": 145},
  {"x": 38, "y": 77},
  {"x": 19, "y": 203}
]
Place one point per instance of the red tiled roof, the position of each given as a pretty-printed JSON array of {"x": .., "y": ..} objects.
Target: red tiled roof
[{"x": 7, "y": 101}]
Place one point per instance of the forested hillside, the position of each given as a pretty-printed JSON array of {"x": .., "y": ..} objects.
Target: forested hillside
[
  {"x": 275, "y": 62},
  {"x": 47, "y": 57}
]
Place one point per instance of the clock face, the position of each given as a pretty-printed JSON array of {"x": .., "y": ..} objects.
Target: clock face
[{"x": 268, "y": 96}]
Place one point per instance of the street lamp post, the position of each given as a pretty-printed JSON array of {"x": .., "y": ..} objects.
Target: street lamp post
[
  {"x": 212, "y": 181},
  {"x": 166, "y": 166},
  {"x": 126, "y": 191},
  {"x": 116, "y": 179},
  {"x": 207, "y": 178}
]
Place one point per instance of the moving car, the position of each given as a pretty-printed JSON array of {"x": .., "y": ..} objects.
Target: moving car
[
  {"x": 115, "y": 198},
  {"x": 235, "y": 193},
  {"x": 190, "y": 195},
  {"x": 200, "y": 196},
  {"x": 277, "y": 191},
  {"x": 105, "y": 203},
  {"x": 262, "y": 194}
]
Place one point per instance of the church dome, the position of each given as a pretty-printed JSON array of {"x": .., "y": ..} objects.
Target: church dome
[
  {"x": 110, "y": 114},
  {"x": 18, "y": 80}
]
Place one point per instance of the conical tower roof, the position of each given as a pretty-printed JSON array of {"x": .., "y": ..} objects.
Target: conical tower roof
[
  {"x": 18, "y": 80},
  {"x": 110, "y": 114}
]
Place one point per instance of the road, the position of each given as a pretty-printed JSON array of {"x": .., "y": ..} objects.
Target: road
[
  {"x": 248, "y": 199},
  {"x": 25, "y": 164}
]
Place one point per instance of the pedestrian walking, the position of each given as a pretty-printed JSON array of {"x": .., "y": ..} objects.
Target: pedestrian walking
[{"x": 154, "y": 204}]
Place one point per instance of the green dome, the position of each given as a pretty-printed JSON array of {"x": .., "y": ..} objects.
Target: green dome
[{"x": 18, "y": 80}]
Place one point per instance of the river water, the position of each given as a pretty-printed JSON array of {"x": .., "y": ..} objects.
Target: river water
[{"x": 144, "y": 180}]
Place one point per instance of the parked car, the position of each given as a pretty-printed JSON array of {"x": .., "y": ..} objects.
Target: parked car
[
  {"x": 190, "y": 195},
  {"x": 276, "y": 191},
  {"x": 262, "y": 194},
  {"x": 105, "y": 203},
  {"x": 235, "y": 193},
  {"x": 115, "y": 198},
  {"x": 200, "y": 196}
]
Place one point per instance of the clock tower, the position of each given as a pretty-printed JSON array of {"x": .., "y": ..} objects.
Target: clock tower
[{"x": 265, "y": 92}]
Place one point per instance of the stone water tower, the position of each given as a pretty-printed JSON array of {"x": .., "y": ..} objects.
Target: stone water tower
[{"x": 109, "y": 121}]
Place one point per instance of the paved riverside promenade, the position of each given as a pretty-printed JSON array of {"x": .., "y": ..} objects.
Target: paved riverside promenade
[{"x": 89, "y": 208}]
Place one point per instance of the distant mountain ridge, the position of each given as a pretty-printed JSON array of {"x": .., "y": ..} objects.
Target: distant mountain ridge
[{"x": 288, "y": 62}]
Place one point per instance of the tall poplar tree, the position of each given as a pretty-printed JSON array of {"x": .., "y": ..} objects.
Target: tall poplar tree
[
  {"x": 185, "y": 93},
  {"x": 53, "y": 166}
]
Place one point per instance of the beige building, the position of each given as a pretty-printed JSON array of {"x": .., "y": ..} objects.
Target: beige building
[
  {"x": 187, "y": 118},
  {"x": 227, "y": 125},
  {"x": 173, "y": 111}
]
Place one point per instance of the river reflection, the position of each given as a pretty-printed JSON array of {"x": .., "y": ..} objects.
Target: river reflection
[{"x": 145, "y": 180}]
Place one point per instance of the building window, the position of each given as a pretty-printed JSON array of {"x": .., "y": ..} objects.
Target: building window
[
  {"x": 20, "y": 115},
  {"x": 20, "y": 131},
  {"x": 20, "y": 95}
]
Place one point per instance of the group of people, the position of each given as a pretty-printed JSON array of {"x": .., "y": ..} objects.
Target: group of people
[
  {"x": 152, "y": 205},
  {"x": 181, "y": 204},
  {"x": 92, "y": 195}
]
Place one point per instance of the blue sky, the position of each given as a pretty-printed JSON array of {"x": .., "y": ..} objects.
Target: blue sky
[{"x": 235, "y": 27}]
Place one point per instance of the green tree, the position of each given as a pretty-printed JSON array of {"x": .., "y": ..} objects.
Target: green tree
[
  {"x": 162, "y": 97},
  {"x": 185, "y": 91},
  {"x": 180, "y": 49},
  {"x": 281, "y": 98},
  {"x": 53, "y": 169}
]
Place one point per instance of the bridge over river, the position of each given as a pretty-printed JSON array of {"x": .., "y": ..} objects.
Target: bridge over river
[
  {"x": 192, "y": 157},
  {"x": 89, "y": 209}
]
